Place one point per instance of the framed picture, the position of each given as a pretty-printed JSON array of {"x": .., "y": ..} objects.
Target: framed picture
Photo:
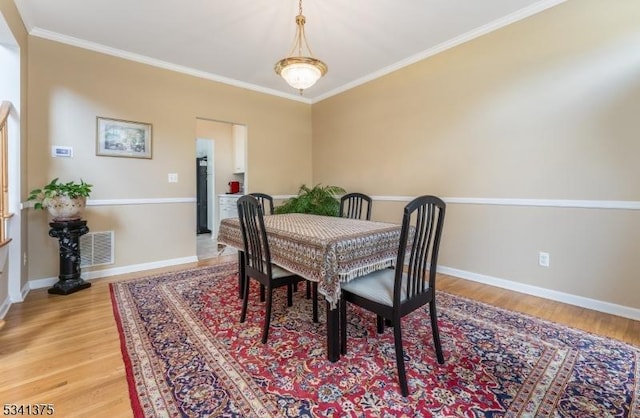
[{"x": 123, "y": 138}]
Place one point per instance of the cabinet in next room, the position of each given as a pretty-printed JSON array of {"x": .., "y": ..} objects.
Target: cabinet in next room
[
  {"x": 228, "y": 206},
  {"x": 239, "y": 144}
]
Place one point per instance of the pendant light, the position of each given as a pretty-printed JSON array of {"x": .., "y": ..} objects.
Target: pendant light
[{"x": 300, "y": 69}]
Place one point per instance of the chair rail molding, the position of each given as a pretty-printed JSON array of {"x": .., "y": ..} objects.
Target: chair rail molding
[
  {"x": 123, "y": 202},
  {"x": 551, "y": 203},
  {"x": 147, "y": 201}
]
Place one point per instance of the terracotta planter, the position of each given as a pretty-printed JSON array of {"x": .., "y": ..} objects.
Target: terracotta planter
[{"x": 63, "y": 208}]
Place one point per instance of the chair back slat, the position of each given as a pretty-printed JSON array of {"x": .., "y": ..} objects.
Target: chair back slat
[
  {"x": 256, "y": 246},
  {"x": 355, "y": 205},
  {"x": 422, "y": 224},
  {"x": 264, "y": 199}
]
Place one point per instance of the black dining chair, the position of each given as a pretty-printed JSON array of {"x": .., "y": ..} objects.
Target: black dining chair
[
  {"x": 394, "y": 293},
  {"x": 264, "y": 199},
  {"x": 257, "y": 261},
  {"x": 352, "y": 205}
]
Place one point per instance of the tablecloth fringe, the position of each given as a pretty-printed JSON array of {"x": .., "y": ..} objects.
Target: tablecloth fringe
[{"x": 361, "y": 271}]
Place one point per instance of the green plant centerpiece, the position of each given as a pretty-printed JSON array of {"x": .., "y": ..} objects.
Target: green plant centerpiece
[
  {"x": 64, "y": 201},
  {"x": 318, "y": 200}
]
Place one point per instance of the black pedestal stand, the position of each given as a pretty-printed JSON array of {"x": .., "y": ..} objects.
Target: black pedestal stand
[{"x": 68, "y": 233}]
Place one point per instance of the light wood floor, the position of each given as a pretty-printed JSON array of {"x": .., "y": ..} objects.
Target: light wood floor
[{"x": 65, "y": 350}]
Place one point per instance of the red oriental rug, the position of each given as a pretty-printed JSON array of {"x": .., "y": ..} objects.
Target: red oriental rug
[{"x": 187, "y": 355}]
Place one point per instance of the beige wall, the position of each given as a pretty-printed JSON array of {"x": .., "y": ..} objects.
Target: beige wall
[
  {"x": 546, "y": 108},
  {"x": 69, "y": 87}
]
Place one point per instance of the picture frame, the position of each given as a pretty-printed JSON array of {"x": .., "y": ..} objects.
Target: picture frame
[{"x": 123, "y": 138}]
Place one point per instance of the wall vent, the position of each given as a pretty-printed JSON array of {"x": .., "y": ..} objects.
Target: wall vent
[{"x": 96, "y": 248}]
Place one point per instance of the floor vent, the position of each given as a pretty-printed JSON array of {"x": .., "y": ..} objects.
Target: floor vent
[{"x": 96, "y": 248}]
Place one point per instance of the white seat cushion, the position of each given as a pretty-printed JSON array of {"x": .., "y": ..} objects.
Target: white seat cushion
[
  {"x": 277, "y": 272},
  {"x": 376, "y": 286}
]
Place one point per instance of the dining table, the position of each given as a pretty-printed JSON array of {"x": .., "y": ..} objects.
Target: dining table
[{"x": 324, "y": 249}]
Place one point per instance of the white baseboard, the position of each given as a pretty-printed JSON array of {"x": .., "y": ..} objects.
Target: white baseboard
[
  {"x": 593, "y": 304},
  {"x": 91, "y": 275},
  {"x": 596, "y": 305},
  {"x": 4, "y": 307},
  {"x": 23, "y": 292}
]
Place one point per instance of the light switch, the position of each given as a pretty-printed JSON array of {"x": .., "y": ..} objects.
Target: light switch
[{"x": 173, "y": 177}]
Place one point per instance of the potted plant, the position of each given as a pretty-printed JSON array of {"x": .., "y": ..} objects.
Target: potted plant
[
  {"x": 319, "y": 200},
  {"x": 65, "y": 201}
]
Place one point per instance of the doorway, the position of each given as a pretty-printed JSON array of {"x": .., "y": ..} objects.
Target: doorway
[
  {"x": 202, "y": 195},
  {"x": 217, "y": 141},
  {"x": 13, "y": 266},
  {"x": 206, "y": 245}
]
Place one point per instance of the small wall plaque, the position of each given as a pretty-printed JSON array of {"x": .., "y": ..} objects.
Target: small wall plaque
[{"x": 60, "y": 151}]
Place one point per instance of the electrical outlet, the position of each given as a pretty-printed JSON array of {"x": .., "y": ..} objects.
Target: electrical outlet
[
  {"x": 173, "y": 177},
  {"x": 543, "y": 259},
  {"x": 24, "y": 259}
]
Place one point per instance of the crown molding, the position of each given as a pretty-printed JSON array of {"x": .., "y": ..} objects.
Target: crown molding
[
  {"x": 490, "y": 27},
  {"x": 130, "y": 56}
]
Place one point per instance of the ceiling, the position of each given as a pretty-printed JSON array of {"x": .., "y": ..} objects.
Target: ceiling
[{"x": 239, "y": 41}]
